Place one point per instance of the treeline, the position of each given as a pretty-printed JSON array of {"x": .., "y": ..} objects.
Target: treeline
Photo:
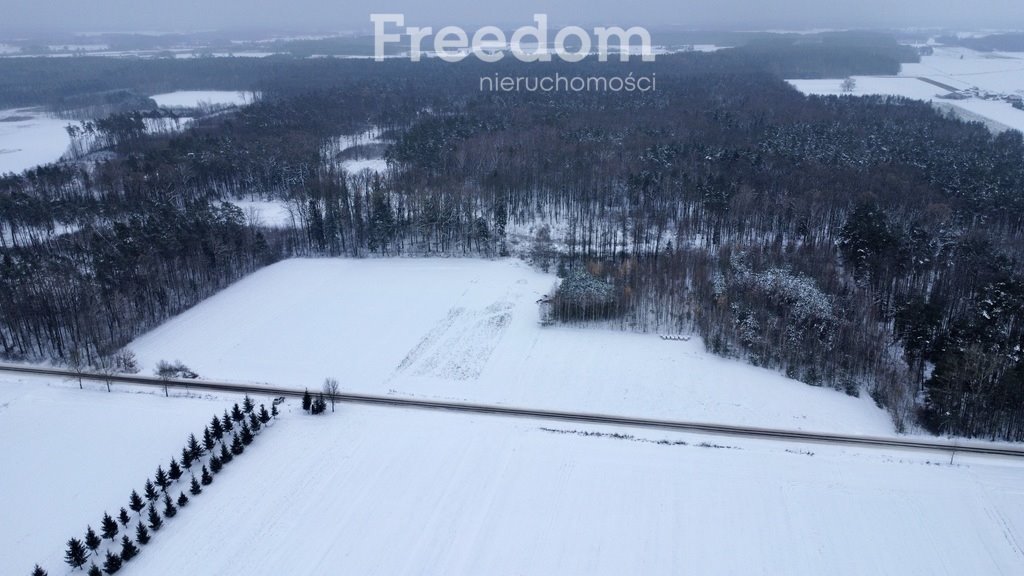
[
  {"x": 830, "y": 54},
  {"x": 87, "y": 293},
  {"x": 83, "y": 82},
  {"x": 1006, "y": 42}
]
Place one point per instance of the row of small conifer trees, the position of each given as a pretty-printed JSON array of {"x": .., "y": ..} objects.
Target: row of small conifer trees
[{"x": 223, "y": 439}]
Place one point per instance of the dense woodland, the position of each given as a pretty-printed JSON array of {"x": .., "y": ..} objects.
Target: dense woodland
[{"x": 866, "y": 244}]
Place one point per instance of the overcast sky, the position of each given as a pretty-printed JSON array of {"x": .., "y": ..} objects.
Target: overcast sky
[{"x": 324, "y": 15}]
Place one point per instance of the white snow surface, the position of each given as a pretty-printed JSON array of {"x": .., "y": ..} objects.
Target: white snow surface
[
  {"x": 378, "y": 165},
  {"x": 377, "y": 491},
  {"x": 270, "y": 213},
  {"x": 70, "y": 454},
  {"x": 1002, "y": 114},
  {"x": 871, "y": 85},
  {"x": 468, "y": 330},
  {"x": 29, "y": 138},
  {"x": 1001, "y": 72},
  {"x": 196, "y": 98}
]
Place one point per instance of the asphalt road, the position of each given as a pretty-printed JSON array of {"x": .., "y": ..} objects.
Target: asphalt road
[{"x": 940, "y": 445}]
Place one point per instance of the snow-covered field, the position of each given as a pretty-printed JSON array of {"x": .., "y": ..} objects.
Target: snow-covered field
[
  {"x": 29, "y": 138},
  {"x": 386, "y": 491},
  {"x": 70, "y": 454},
  {"x": 1001, "y": 72},
  {"x": 1002, "y": 113},
  {"x": 871, "y": 85},
  {"x": 196, "y": 98},
  {"x": 376, "y": 490},
  {"x": 469, "y": 330},
  {"x": 960, "y": 69}
]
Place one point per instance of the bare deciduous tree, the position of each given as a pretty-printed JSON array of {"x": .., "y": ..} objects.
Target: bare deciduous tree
[
  {"x": 106, "y": 365},
  {"x": 331, "y": 391},
  {"x": 76, "y": 363}
]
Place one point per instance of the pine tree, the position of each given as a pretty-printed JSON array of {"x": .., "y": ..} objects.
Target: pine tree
[
  {"x": 108, "y": 527},
  {"x": 215, "y": 464},
  {"x": 141, "y": 534},
  {"x": 254, "y": 422},
  {"x": 264, "y": 415},
  {"x": 161, "y": 478},
  {"x": 236, "y": 413},
  {"x": 207, "y": 479},
  {"x": 216, "y": 428},
  {"x": 236, "y": 446},
  {"x": 307, "y": 401},
  {"x": 246, "y": 434},
  {"x": 195, "y": 447},
  {"x": 135, "y": 502},
  {"x": 247, "y": 404},
  {"x": 38, "y": 571},
  {"x": 319, "y": 405},
  {"x": 155, "y": 522},
  {"x": 175, "y": 470},
  {"x": 169, "y": 508},
  {"x": 226, "y": 423},
  {"x": 208, "y": 441},
  {"x": 112, "y": 564},
  {"x": 195, "y": 489},
  {"x": 151, "y": 493},
  {"x": 76, "y": 554},
  {"x": 225, "y": 454},
  {"x": 186, "y": 457},
  {"x": 94, "y": 570},
  {"x": 128, "y": 549},
  {"x": 92, "y": 541},
  {"x": 273, "y": 411},
  {"x": 182, "y": 500},
  {"x": 124, "y": 518}
]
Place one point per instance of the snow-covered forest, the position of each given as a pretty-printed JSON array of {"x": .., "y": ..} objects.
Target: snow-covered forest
[{"x": 866, "y": 244}]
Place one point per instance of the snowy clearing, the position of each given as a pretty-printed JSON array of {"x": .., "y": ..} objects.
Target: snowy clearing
[
  {"x": 469, "y": 330},
  {"x": 384, "y": 491},
  {"x": 197, "y": 98},
  {"x": 371, "y": 164},
  {"x": 871, "y": 85},
  {"x": 69, "y": 455},
  {"x": 357, "y": 153},
  {"x": 270, "y": 213},
  {"x": 29, "y": 138}
]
